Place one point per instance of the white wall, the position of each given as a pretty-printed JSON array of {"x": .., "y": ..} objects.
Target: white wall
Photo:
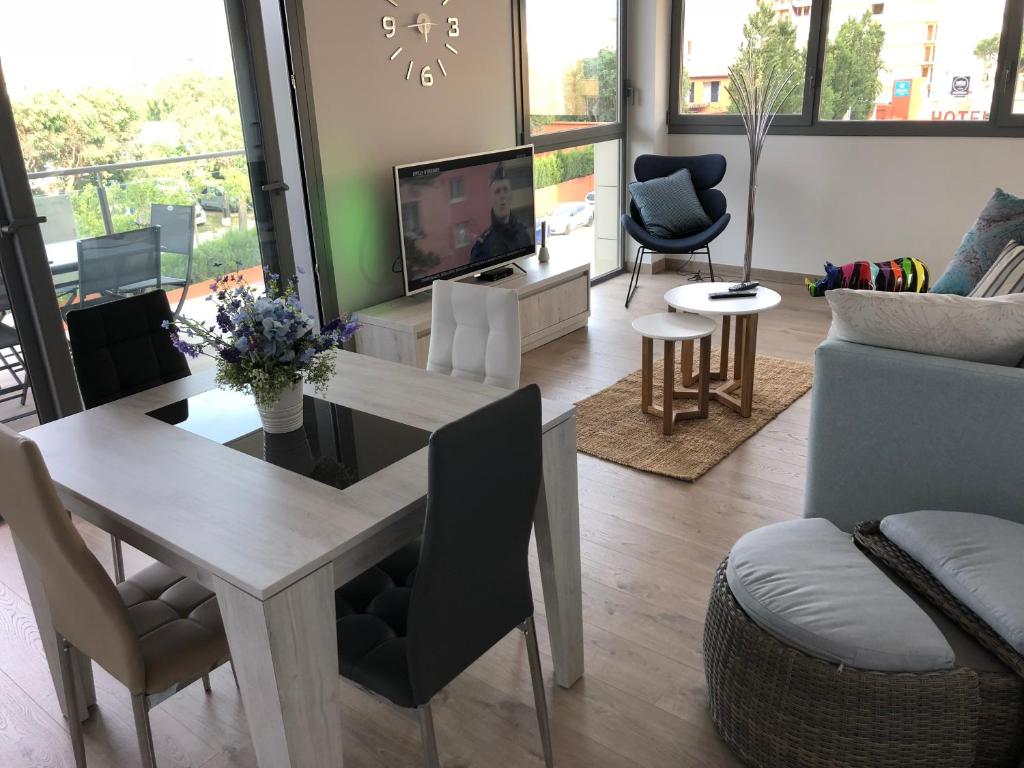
[{"x": 843, "y": 198}]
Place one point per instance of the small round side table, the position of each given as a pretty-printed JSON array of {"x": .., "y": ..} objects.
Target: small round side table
[
  {"x": 671, "y": 327},
  {"x": 694, "y": 298}
]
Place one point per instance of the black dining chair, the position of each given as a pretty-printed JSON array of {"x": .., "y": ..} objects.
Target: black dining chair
[
  {"x": 411, "y": 624},
  {"x": 707, "y": 172},
  {"x": 119, "y": 349}
]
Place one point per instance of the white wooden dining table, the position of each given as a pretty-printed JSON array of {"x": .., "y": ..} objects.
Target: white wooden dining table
[{"x": 274, "y": 544}]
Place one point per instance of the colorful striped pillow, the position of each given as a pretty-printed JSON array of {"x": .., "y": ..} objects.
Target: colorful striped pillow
[{"x": 1005, "y": 276}]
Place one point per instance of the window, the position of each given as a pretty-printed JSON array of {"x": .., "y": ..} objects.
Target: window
[
  {"x": 857, "y": 67},
  {"x": 411, "y": 223},
  {"x": 461, "y": 235},
  {"x": 456, "y": 189}
]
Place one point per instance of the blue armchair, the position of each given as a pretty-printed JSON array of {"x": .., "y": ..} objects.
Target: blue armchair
[{"x": 707, "y": 172}]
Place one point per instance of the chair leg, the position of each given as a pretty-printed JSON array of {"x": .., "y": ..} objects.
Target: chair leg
[
  {"x": 67, "y": 677},
  {"x": 141, "y": 711},
  {"x": 634, "y": 279},
  {"x": 430, "y": 758},
  {"x": 533, "y": 652},
  {"x": 206, "y": 683},
  {"x": 115, "y": 545},
  {"x": 711, "y": 267}
]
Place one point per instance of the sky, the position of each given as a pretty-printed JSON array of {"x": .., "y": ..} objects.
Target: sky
[{"x": 108, "y": 43}]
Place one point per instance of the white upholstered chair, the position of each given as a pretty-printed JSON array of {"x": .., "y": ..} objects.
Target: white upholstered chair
[{"x": 475, "y": 333}]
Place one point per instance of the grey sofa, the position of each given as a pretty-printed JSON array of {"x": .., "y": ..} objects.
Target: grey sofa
[{"x": 896, "y": 431}]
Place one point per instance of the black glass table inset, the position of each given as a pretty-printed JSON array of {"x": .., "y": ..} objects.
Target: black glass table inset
[{"x": 336, "y": 445}]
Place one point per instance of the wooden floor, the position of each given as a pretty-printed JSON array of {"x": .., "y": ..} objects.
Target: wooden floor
[{"x": 649, "y": 544}]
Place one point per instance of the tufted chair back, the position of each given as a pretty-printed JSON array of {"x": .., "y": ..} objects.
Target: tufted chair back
[
  {"x": 84, "y": 603},
  {"x": 475, "y": 334},
  {"x": 120, "y": 348},
  {"x": 473, "y": 582}
]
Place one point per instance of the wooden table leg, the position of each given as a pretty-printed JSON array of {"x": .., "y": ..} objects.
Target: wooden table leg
[
  {"x": 285, "y": 653},
  {"x": 668, "y": 388},
  {"x": 741, "y": 330},
  {"x": 749, "y": 358},
  {"x": 646, "y": 374},
  {"x": 557, "y": 529},
  {"x": 686, "y": 377},
  {"x": 81, "y": 665},
  {"x": 723, "y": 366},
  {"x": 704, "y": 377}
]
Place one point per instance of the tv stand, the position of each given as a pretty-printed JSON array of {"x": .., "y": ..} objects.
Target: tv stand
[{"x": 554, "y": 299}]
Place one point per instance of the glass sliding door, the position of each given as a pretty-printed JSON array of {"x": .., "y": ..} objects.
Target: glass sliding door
[
  {"x": 146, "y": 153},
  {"x": 571, "y": 53}
]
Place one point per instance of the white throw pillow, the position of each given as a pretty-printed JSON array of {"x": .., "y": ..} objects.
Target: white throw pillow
[{"x": 942, "y": 324}]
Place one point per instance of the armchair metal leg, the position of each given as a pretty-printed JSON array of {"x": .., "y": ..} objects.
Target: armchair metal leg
[
  {"x": 67, "y": 677},
  {"x": 206, "y": 683},
  {"x": 711, "y": 267},
  {"x": 634, "y": 278},
  {"x": 430, "y": 758},
  {"x": 540, "y": 702},
  {"x": 140, "y": 709},
  {"x": 115, "y": 545}
]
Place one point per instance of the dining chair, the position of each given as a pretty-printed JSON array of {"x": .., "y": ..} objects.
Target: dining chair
[
  {"x": 119, "y": 349},
  {"x": 60, "y": 218},
  {"x": 155, "y": 633},
  {"x": 475, "y": 333},
  {"x": 113, "y": 266},
  {"x": 177, "y": 235},
  {"x": 707, "y": 172},
  {"x": 411, "y": 624},
  {"x": 11, "y": 361}
]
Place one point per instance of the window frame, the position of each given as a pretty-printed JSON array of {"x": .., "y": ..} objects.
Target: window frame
[{"x": 1001, "y": 123}]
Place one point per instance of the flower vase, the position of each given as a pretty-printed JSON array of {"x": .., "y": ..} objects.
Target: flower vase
[{"x": 285, "y": 413}]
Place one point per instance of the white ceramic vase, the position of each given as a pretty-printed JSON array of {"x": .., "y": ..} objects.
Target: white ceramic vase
[{"x": 285, "y": 415}]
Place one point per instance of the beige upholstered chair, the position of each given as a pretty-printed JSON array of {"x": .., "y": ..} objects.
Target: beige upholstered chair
[{"x": 156, "y": 632}]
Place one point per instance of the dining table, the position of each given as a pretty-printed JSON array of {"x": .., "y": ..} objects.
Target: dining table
[{"x": 168, "y": 472}]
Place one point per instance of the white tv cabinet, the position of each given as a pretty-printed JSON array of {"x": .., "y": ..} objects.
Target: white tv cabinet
[{"x": 554, "y": 299}]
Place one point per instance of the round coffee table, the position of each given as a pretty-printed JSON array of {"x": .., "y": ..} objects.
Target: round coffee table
[
  {"x": 694, "y": 298},
  {"x": 671, "y": 327}
]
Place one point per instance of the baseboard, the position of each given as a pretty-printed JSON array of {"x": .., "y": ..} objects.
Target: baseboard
[{"x": 731, "y": 272}]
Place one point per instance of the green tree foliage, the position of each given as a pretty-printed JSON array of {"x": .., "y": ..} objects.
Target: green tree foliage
[
  {"x": 852, "y": 63},
  {"x": 769, "y": 42},
  {"x": 591, "y": 88},
  {"x": 987, "y": 50},
  {"x": 684, "y": 86},
  {"x": 564, "y": 165}
]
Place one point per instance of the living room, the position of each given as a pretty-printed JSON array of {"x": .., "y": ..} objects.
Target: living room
[{"x": 277, "y": 275}]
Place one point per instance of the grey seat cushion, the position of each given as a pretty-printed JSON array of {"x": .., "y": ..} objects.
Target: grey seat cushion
[
  {"x": 978, "y": 558},
  {"x": 669, "y": 205},
  {"x": 806, "y": 583}
]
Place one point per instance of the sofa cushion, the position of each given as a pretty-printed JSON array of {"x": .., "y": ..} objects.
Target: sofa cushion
[
  {"x": 978, "y": 558},
  {"x": 806, "y": 583},
  {"x": 669, "y": 206},
  {"x": 978, "y": 330},
  {"x": 1006, "y": 276},
  {"x": 1001, "y": 220}
]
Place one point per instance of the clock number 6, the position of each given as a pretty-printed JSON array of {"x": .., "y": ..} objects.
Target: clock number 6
[
  {"x": 388, "y": 23},
  {"x": 453, "y": 26},
  {"x": 426, "y": 77}
]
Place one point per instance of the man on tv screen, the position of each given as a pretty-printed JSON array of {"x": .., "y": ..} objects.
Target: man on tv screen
[{"x": 506, "y": 233}]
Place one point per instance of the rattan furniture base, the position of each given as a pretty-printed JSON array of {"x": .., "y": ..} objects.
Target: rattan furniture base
[{"x": 777, "y": 707}]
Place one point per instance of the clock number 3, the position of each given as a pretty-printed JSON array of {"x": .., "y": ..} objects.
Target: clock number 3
[
  {"x": 453, "y": 26},
  {"x": 390, "y": 26}
]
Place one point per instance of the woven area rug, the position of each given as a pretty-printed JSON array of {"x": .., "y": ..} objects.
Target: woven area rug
[{"x": 611, "y": 426}]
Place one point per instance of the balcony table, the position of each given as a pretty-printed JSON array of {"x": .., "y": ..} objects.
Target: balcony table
[{"x": 274, "y": 544}]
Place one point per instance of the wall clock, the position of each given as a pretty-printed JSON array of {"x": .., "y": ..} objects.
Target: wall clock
[{"x": 425, "y": 41}]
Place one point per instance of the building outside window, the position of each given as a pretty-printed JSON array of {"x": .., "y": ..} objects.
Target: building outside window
[
  {"x": 456, "y": 190},
  {"x": 715, "y": 86},
  {"x": 461, "y": 235}
]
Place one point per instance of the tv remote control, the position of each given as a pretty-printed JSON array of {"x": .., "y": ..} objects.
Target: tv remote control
[
  {"x": 733, "y": 295},
  {"x": 744, "y": 286}
]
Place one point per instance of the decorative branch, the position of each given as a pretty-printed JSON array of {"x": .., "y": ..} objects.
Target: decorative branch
[{"x": 759, "y": 96}]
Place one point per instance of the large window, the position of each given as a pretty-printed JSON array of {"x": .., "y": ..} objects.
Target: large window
[{"x": 898, "y": 67}]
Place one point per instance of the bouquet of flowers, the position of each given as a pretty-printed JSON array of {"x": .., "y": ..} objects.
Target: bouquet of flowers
[{"x": 265, "y": 344}]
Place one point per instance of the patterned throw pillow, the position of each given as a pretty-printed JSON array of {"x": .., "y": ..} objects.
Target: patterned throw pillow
[
  {"x": 669, "y": 206},
  {"x": 1002, "y": 220},
  {"x": 1006, "y": 276}
]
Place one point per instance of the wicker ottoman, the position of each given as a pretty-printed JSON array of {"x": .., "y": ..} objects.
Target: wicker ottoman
[{"x": 777, "y": 707}]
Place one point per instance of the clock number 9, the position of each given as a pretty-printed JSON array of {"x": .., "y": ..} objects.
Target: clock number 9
[
  {"x": 453, "y": 26},
  {"x": 426, "y": 77},
  {"x": 389, "y": 26}
]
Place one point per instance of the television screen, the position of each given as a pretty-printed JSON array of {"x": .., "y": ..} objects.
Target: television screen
[{"x": 465, "y": 214}]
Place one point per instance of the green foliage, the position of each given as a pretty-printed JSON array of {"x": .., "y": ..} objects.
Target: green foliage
[
  {"x": 987, "y": 50},
  {"x": 769, "y": 42},
  {"x": 591, "y": 88},
  {"x": 236, "y": 249},
  {"x": 684, "y": 86},
  {"x": 564, "y": 165},
  {"x": 852, "y": 63}
]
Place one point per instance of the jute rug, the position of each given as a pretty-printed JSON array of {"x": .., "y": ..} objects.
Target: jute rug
[{"x": 612, "y": 427}]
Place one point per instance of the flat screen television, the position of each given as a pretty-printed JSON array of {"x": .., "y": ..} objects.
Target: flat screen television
[{"x": 464, "y": 215}]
